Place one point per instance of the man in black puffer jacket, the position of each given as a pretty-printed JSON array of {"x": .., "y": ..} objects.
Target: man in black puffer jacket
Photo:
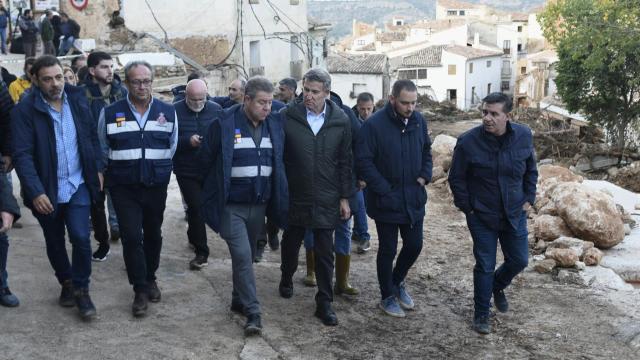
[{"x": 318, "y": 160}]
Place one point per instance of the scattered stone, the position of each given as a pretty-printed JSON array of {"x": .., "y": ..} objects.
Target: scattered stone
[
  {"x": 549, "y": 208},
  {"x": 541, "y": 245},
  {"x": 440, "y": 181},
  {"x": 612, "y": 172},
  {"x": 549, "y": 228},
  {"x": 592, "y": 256},
  {"x": 566, "y": 276},
  {"x": 545, "y": 162},
  {"x": 538, "y": 257},
  {"x": 545, "y": 266},
  {"x": 564, "y": 257},
  {"x": 563, "y": 174},
  {"x": 580, "y": 265},
  {"x": 591, "y": 215},
  {"x": 437, "y": 173},
  {"x": 627, "y": 229},
  {"x": 565, "y": 242},
  {"x": 442, "y": 151}
]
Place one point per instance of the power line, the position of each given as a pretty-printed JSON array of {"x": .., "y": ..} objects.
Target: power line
[{"x": 166, "y": 37}]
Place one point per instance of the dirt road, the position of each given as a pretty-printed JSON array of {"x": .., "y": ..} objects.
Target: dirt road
[{"x": 547, "y": 320}]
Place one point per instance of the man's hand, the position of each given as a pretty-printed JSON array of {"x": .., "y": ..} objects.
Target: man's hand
[
  {"x": 101, "y": 179},
  {"x": 8, "y": 165},
  {"x": 43, "y": 205},
  {"x": 345, "y": 211},
  {"x": 362, "y": 184},
  {"x": 422, "y": 181},
  {"x": 7, "y": 221},
  {"x": 195, "y": 140},
  {"x": 526, "y": 206}
]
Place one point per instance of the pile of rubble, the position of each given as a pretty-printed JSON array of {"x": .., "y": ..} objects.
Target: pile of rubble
[
  {"x": 444, "y": 110},
  {"x": 572, "y": 221}
]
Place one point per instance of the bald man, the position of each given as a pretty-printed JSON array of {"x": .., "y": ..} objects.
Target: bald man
[
  {"x": 196, "y": 113},
  {"x": 236, "y": 94}
]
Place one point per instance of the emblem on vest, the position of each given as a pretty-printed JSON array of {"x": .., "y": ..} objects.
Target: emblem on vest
[
  {"x": 238, "y": 137},
  {"x": 162, "y": 121},
  {"x": 120, "y": 119}
]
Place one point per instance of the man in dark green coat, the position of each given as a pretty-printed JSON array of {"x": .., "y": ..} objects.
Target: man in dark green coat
[{"x": 318, "y": 163}]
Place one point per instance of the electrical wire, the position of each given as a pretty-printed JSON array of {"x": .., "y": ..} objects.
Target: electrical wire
[{"x": 166, "y": 37}]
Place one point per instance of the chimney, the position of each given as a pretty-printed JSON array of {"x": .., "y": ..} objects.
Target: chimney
[{"x": 476, "y": 39}]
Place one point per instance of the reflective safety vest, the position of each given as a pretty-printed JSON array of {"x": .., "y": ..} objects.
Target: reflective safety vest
[
  {"x": 139, "y": 156},
  {"x": 251, "y": 165}
]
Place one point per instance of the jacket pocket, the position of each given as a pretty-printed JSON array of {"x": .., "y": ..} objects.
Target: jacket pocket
[
  {"x": 519, "y": 161},
  {"x": 162, "y": 170},
  {"x": 391, "y": 201}
]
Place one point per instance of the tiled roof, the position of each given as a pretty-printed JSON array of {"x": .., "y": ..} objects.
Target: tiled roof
[
  {"x": 430, "y": 56},
  {"x": 470, "y": 52},
  {"x": 438, "y": 25},
  {"x": 356, "y": 64},
  {"x": 391, "y": 36},
  {"x": 454, "y": 4},
  {"x": 519, "y": 17},
  {"x": 368, "y": 47}
]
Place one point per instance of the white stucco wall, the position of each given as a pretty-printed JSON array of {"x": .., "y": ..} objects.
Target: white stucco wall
[
  {"x": 481, "y": 76},
  {"x": 342, "y": 84}
]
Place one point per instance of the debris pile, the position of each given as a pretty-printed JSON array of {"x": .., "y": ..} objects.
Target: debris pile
[{"x": 444, "y": 110}]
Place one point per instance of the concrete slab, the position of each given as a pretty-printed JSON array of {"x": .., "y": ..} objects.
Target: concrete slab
[{"x": 155, "y": 59}]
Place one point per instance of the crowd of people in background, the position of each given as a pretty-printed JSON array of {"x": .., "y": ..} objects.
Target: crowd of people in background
[{"x": 94, "y": 152}]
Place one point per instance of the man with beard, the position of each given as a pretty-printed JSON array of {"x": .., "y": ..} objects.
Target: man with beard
[
  {"x": 56, "y": 153},
  {"x": 393, "y": 157},
  {"x": 196, "y": 113},
  {"x": 103, "y": 87},
  {"x": 138, "y": 136},
  {"x": 236, "y": 94},
  {"x": 242, "y": 155}
]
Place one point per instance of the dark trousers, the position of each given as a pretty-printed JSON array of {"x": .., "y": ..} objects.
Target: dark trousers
[
  {"x": 140, "y": 210},
  {"x": 99, "y": 220},
  {"x": 191, "y": 189},
  {"x": 515, "y": 249},
  {"x": 389, "y": 276},
  {"x": 323, "y": 252},
  {"x": 75, "y": 216},
  {"x": 29, "y": 49}
]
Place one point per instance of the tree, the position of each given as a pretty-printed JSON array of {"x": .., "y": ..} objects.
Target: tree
[{"x": 598, "y": 72}]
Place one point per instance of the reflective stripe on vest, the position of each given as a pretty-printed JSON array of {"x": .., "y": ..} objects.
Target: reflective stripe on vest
[
  {"x": 136, "y": 154},
  {"x": 250, "y": 171},
  {"x": 247, "y": 143}
]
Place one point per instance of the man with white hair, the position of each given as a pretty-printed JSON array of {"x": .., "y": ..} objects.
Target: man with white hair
[{"x": 196, "y": 113}]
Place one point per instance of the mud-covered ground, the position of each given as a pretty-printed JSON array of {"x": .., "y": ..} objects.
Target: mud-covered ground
[{"x": 547, "y": 320}]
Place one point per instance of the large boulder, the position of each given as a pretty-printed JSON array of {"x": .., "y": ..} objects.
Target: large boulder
[
  {"x": 544, "y": 266},
  {"x": 591, "y": 215},
  {"x": 442, "y": 151},
  {"x": 549, "y": 228},
  {"x": 550, "y": 176},
  {"x": 564, "y": 257}
]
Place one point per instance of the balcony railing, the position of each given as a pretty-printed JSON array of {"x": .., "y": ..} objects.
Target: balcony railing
[{"x": 255, "y": 71}]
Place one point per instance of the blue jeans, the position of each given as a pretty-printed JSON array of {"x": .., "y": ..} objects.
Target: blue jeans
[
  {"x": 342, "y": 238},
  {"x": 514, "y": 244},
  {"x": 75, "y": 215},
  {"x": 4, "y": 249},
  {"x": 65, "y": 45},
  {"x": 3, "y": 38},
  {"x": 389, "y": 276},
  {"x": 360, "y": 226}
]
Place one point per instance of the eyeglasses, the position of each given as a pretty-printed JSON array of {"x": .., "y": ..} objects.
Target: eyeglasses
[{"x": 139, "y": 83}]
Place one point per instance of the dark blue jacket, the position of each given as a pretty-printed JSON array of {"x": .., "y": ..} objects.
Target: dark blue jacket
[
  {"x": 216, "y": 156},
  {"x": 390, "y": 158},
  {"x": 34, "y": 145},
  {"x": 494, "y": 181},
  {"x": 139, "y": 156},
  {"x": 96, "y": 100},
  {"x": 224, "y": 101},
  {"x": 185, "y": 161}
]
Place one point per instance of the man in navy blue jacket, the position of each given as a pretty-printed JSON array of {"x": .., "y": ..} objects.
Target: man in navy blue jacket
[
  {"x": 393, "y": 157},
  {"x": 245, "y": 180},
  {"x": 56, "y": 156},
  {"x": 493, "y": 180},
  {"x": 195, "y": 114},
  {"x": 236, "y": 94}
]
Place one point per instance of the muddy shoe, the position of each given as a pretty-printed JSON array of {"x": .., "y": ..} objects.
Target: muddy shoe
[
  {"x": 84, "y": 304},
  {"x": 286, "y": 288},
  {"x": 237, "y": 307},
  {"x": 7, "y": 298},
  {"x": 253, "y": 325},
  {"x": 154, "y": 292},
  {"x": 500, "y": 299},
  {"x": 481, "y": 324},
  {"x": 140, "y": 304},
  {"x": 325, "y": 313},
  {"x": 391, "y": 307},
  {"x": 404, "y": 299}
]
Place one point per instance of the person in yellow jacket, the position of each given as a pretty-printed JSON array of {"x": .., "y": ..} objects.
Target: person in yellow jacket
[{"x": 21, "y": 84}]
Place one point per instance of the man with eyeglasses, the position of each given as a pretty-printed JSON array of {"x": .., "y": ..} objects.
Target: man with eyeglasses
[
  {"x": 138, "y": 136},
  {"x": 493, "y": 180},
  {"x": 236, "y": 94},
  {"x": 196, "y": 113}
]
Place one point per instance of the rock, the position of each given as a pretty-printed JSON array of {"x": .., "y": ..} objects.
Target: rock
[
  {"x": 572, "y": 277},
  {"x": 627, "y": 229},
  {"x": 538, "y": 257},
  {"x": 612, "y": 172},
  {"x": 591, "y": 215},
  {"x": 580, "y": 265},
  {"x": 546, "y": 172},
  {"x": 549, "y": 228},
  {"x": 545, "y": 266},
  {"x": 541, "y": 245},
  {"x": 440, "y": 181},
  {"x": 565, "y": 242},
  {"x": 592, "y": 256},
  {"x": 545, "y": 162},
  {"x": 437, "y": 173},
  {"x": 442, "y": 151},
  {"x": 564, "y": 257},
  {"x": 549, "y": 208}
]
